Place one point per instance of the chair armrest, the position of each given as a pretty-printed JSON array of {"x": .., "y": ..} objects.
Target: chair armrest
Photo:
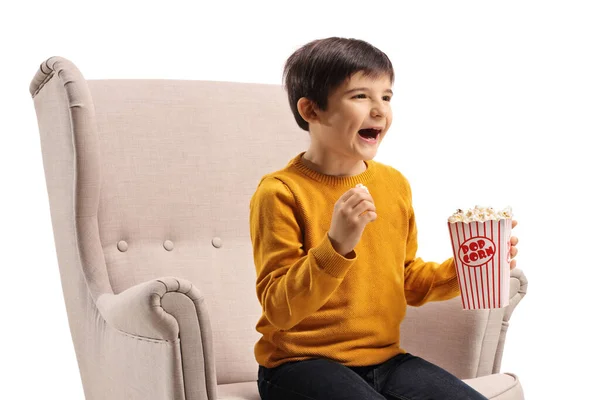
[
  {"x": 169, "y": 309},
  {"x": 138, "y": 310},
  {"x": 518, "y": 289},
  {"x": 468, "y": 343}
]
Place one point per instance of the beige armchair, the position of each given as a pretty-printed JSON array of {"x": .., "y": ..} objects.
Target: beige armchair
[{"x": 149, "y": 183}]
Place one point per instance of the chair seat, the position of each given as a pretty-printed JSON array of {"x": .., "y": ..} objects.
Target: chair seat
[
  {"x": 504, "y": 386},
  {"x": 238, "y": 391},
  {"x": 497, "y": 387}
]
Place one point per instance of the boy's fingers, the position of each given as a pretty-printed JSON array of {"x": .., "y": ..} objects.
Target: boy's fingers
[
  {"x": 372, "y": 215},
  {"x": 514, "y": 240},
  {"x": 364, "y": 205},
  {"x": 346, "y": 196},
  {"x": 514, "y": 223},
  {"x": 369, "y": 215},
  {"x": 358, "y": 198}
]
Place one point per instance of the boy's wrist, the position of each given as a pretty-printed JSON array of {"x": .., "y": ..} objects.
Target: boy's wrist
[{"x": 338, "y": 248}]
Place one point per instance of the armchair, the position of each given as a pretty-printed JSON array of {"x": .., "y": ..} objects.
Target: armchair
[{"x": 149, "y": 183}]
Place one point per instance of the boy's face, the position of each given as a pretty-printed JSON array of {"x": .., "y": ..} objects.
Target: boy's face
[{"x": 357, "y": 104}]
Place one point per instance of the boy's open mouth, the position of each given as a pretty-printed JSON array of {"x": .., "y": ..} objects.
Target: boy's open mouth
[{"x": 369, "y": 133}]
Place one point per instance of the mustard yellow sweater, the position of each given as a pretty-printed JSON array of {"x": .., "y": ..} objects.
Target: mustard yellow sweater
[{"x": 318, "y": 303}]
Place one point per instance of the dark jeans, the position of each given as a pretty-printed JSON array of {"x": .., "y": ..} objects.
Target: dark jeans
[{"x": 404, "y": 377}]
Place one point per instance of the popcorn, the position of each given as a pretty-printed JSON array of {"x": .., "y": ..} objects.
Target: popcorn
[
  {"x": 480, "y": 214},
  {"x": 360, "y": 185},
  {"x": 480, "y": 239}
]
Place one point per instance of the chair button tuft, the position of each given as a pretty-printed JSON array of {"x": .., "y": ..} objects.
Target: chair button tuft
[
  {"x": 217, "y": 242},
  {"x": 168, "y": 245},
  {"x": 122, "y": 245}
]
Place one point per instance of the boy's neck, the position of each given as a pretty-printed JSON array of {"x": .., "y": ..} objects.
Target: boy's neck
[{"x": 333, "y": 167}]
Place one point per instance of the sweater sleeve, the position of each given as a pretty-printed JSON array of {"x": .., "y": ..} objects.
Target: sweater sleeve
[
  {"x": 426, "y": 281},
  {"x": 292, "y": 283}
]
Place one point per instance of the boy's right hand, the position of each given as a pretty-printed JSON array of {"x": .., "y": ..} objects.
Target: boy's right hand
[{"x": 351, "y": 213}]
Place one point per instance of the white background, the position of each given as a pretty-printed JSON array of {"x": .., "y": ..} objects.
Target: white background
[{"x": 508, "y": 90}]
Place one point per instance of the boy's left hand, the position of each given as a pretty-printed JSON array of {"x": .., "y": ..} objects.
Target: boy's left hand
[{"x": 513, "y": 247}]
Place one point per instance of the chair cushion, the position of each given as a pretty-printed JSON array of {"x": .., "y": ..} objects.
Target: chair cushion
[
  {"x": 238, "y": 391},
  {"x": 496, "y": 387}
]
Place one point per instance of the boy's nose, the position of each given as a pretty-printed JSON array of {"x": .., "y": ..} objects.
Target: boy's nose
[{"x": 377, "y": 111}]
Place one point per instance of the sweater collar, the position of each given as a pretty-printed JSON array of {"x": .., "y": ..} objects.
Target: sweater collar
[{"x": 332, "y": 180}]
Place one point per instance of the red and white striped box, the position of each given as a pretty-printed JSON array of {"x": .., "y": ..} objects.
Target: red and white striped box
[{"x": 482, "y": 260}]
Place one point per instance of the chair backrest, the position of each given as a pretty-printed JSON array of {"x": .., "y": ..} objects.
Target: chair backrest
[{"x": 166, "y": 169}]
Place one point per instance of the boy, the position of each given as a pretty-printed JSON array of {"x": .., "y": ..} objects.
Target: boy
[{"x": 334, "y": 272}]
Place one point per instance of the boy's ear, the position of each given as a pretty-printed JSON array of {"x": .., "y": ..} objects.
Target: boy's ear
[{"x": 306, "y": 108}]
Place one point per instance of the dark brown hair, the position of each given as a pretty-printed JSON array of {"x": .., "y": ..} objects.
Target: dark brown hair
[{"x": 319, "y": 67}]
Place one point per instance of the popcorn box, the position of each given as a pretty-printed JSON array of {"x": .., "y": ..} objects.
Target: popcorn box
[{"x": 482, "y": 259}]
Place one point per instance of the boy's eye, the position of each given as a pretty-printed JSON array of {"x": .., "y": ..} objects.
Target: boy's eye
[{"x": 387, "y": 98}]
